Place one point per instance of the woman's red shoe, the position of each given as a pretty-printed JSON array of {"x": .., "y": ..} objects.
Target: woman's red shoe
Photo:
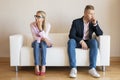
[
  {"x": 42, "y": 73},
  {"x": 37, "y": 73}
]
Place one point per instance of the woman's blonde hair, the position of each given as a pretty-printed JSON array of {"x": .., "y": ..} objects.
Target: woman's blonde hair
[{"x": 43, "y": 14}]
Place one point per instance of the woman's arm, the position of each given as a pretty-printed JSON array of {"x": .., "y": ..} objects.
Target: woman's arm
[
  {"x": 45, "y": 38},
  {"x": 35, "y": 36}
]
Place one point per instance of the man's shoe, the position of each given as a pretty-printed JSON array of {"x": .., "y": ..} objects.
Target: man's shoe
[
  {"x": 93, "y": 73},
  {"x": 73, "y": 73}
]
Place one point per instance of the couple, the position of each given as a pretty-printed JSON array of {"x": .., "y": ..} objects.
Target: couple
[{"x": 80, "y": 37}]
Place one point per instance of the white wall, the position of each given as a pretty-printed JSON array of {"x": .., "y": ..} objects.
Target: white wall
[{"x": 16, "y": 15}]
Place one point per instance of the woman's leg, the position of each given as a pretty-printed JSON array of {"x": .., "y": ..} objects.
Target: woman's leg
[
  {"x": 36, "y": 50},
  {"x": 43, "y": 56}
]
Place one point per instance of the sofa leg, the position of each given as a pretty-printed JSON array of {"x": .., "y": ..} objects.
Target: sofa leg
[
  {"x": 103, "y": 68},
  {"x": 16, "y": 68}
]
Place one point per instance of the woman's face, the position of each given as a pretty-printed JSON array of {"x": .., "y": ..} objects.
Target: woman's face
[{"x": 39, "y": 17}]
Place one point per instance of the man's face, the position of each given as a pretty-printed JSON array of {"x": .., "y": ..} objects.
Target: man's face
[{"x": 89, "y": 14}]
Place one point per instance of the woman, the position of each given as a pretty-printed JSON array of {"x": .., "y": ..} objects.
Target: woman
[{"x": 40, "y": 30}]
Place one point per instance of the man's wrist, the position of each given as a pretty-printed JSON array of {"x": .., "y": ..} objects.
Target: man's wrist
[
  {"x": 81, "y": 41},
  {"x": 95, "y": 24}
]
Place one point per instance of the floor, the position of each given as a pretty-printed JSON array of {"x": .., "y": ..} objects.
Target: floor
[{"x": 58, "y": 73}]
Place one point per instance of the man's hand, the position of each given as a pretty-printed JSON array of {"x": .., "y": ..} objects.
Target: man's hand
[
  {"x": 94, "y": 21},
  {"x": 83, "y": 44}
]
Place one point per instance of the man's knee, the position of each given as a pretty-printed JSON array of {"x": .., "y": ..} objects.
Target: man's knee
[
  {"x": 71, "y": 41},
  {"x": 94, "y": 42}
]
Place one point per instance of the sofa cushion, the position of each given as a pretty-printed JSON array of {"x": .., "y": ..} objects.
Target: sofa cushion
[{"x": 56, "y": 56}]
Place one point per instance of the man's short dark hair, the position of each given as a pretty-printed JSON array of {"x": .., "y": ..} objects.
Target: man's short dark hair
[{"x": 89, "y": 7}]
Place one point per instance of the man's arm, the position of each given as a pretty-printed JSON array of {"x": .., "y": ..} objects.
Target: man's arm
[
  {"x": 72, "y": 34},
  {"x": 97, "y": 30},
  {"x": 96, "y": 27}
]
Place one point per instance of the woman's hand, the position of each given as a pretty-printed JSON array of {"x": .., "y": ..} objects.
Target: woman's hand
[
  {"x": 39, "y": 24},
  {"x": 47, "y": 42}
]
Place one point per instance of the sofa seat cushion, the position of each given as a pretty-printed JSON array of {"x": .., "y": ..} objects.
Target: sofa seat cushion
[{"x": 56, "y": 56}]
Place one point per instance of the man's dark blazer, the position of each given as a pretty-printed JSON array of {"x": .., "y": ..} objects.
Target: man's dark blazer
[{"x": 77, "y": 30}]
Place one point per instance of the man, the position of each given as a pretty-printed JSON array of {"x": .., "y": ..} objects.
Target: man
[{"x": 81, "y": 37}]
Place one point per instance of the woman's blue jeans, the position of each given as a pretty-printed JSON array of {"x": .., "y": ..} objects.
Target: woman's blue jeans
[
  {"x": 93, "y": 46},
  {"x": 39, "y": 52}
]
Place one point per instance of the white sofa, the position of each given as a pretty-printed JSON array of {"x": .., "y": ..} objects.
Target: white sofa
[{"x": 21, "y": 52}]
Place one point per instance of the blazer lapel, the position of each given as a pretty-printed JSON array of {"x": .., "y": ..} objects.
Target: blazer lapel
[{"x": 82, "y": 26}]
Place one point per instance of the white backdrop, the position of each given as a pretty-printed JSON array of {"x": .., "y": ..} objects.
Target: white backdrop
[{"x": 16, "y": 15}]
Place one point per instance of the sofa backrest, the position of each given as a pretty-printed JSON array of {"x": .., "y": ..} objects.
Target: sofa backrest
[{"x": 58, "y": 39}]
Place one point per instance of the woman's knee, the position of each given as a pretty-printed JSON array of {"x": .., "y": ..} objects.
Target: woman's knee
[
  {"x": 43, "y": 44},
  {"x": 35, "y": 44}
]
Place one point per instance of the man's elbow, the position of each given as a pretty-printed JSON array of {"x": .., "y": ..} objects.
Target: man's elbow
[{"x": 101, "y": 33}]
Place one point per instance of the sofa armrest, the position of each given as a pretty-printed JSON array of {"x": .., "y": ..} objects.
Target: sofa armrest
[
  {"x": 16, "y": 42},
  {"x": 104, "y": 46}
]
